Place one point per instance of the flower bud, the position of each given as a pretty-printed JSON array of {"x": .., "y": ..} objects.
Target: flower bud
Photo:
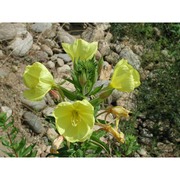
[
  {"x": 125, "y": 78},
  {"x": 82, "y": 79}
]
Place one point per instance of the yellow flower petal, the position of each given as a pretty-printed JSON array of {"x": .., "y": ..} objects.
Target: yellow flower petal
[
  {"x": 80, "y": 49},
  {"x": 125, "y": 78},
  {"x": 75, "y": 120},
  {"x": 39, "y": 81},
  {"x": 119, "y": 111},
  {"x": 37, "y": 93}
]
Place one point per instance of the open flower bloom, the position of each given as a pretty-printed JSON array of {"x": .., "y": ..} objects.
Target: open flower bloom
[
  {"x": 75, "y": 120},
  {"x": 39, "y": 81},
  {"x": 80, "y": 49},
  {"x": 125, "y": 78}
]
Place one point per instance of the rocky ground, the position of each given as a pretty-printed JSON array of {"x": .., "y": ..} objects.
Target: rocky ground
[{"x": 21, "y": 44}]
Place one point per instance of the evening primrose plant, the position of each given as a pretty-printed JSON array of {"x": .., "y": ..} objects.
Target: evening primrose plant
[{"x": 77, "y": 113}]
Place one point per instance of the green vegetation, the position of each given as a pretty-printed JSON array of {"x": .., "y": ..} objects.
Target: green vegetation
[
  {"x": 159, "y": 93},
  {"x": 16, "y": 147}
]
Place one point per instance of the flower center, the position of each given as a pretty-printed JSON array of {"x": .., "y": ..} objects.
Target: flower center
[{"x": 75, "y": 118}]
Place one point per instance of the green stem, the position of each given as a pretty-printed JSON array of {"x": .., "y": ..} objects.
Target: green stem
[
  {"x": 61, "y": 93},
  {"x": 101, "y": 113},
  {"x": 11, "y": 144},
  {"x": 100, "y": 144}
]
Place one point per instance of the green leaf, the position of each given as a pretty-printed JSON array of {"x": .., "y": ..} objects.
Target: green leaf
[
  {"x": 10, "y": 124},
  {"x": 79, "y": 153},
  {"x": 20, "y": 147},
  {"x": 101, "y": 144},
  {"x": 27, "y": 150},
  {"x": 71, "y": 95},
  {"x": 3, "y": 117},
  {"x": 5, "y": 142},
  {"x": 96, "y": 90},
  {"x": 9, "y": 153},
  {"x": 32, "y": 154}
]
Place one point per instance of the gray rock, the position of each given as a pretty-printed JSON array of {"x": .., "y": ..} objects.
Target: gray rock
[
  {"x": 21, "y": 44},
  {"x": 50, "y": 43},
  {"x": 127, "y": 100},
  {"x": 14, "y": 68},
  {"x": 50, "y": 33},
  {"x": 63, "y": 56},
  {"x": 1, "y": 54},
  {"x": 145, "y": 133},
  {"x": 8, "y": 31},
  {"x": 3, "y": 73},
  {"x": 104, "y": 48},
  {"x": 116, "y": 95},
  {"x": 132, "y": 58},
  {"x": 35, "y": 47},
  {"x": 48, "y": 111},
  {"x": 138, "y": 49},
  {"x": 165, "y": 147},
  {"x": 112, "y": 58},
  {"x": 6, "y": 110},
  {"x": 103, "y": 26},
  {"x": 36, "y": 105},
  {"x": 108, "y": 37},
  {"x": 47, "y": 49},
  {"x": 60, "y": 62},
  {"x": 101, "y": 82},
  {"x": 57, "y": 50},
  {"x": 165, "y": 52},
  {"x": 41, "y": 27},
  {"x": 119, "y": 47},
  {"x": 91, "y": 35},
  {"x": 50, "y": 64},
  {"x": 40, "y": 55},
  {"x": 52, "y": 134},
  {"x": 49, "y": 100},
  {"x": 98, "y": 55},
  {"x": 64, "y": 69},
  {"x": 142, "y": 152},
  {"x": 34, "y": 122},
  {"x": 65, "y": 37},
  {"x": 145, "y": 141}
]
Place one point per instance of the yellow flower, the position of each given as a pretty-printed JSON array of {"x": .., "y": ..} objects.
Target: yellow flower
[
  {"x": 80, "y": 49},
  {"x": 118, "y": 135},
  {"x": 75, "y": 120},
  {"x": 118, "y": 111},
  {"x": 125, "y": 78},
  {"x": 39, "y": 81}
]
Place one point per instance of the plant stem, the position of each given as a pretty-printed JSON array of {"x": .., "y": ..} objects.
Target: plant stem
[
  {"x": 101, "y": 113},
  {"x": 61, "y": 93},
  {"x": 11, "y": 144}
]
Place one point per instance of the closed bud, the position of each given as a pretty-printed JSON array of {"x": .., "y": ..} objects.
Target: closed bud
[
  {"x": 82, "y": 79},
  {"x": 106, "y": 92}
]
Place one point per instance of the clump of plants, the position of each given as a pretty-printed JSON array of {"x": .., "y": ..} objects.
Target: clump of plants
[
  {"x": 16, "y": 146},
  {"x": 159, "y": 92},
  {"x": 76, "y": 116}
]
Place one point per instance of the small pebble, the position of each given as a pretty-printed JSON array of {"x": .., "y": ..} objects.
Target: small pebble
[
  {"x": 36, "y": 105},
  {"x": 60, "y": 62},
  {"x": 6, "y": 110},
  {"x": 63, "y": 69},
  {"x": 50, "y": 64},
  {"x": 34, "y": 122},
  {"x": 142, "y": 152},
  {"x": 52, "y": 134},
  {"x": 48, "y": 111},
  {"x": 47, "y": 49}
]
